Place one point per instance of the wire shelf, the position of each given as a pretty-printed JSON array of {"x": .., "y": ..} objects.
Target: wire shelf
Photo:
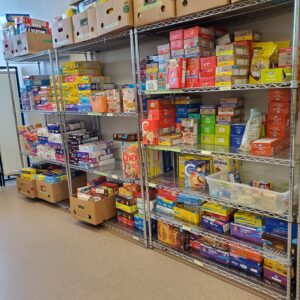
[
  {"x": 271, "y": 253},
  {"x": 194, "y": 258},
  {"x": 281, "y": 158},
  {"x": 42, "y": 56},
  {"x": 47, "y": 160},
  {"x": 171, "y": 182},
  {"x": 96, "y": 114},
  {"x": 42, "y": 112}
]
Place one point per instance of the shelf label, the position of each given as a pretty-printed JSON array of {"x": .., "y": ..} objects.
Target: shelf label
[
  {"x": 225, "y": 88},
  {"x": 152, "y": 185},
  {"x": 198, "y": 263},
  {"x": 135, "y": 238},
  {"x": 204, "y": 152},
  {"x": 114, "y": 176},
  {"x": 110, "y": 114},
  {"x": 186, "y": 228},
  {"x": 93, "y": 114}
]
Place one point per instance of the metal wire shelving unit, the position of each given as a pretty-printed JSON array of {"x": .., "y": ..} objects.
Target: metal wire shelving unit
[{"x": 241, "y": 11}]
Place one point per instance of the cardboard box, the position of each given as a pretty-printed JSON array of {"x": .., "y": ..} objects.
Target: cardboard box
[
  {"x": 113, "y": 16},
  {"x": 63, "y": 32},
  {"x": 247, "y": 35},
  {"x": 187, "y": 7},
  {"x": 26, "y": 187},
  {"x": 93, "y": 212},
  {"x": 52, "y": 193},
  {"x": 85, "y": 25},
  {"x": 147, "y": 12},
  {"x": 31, "y": 42},
  {"x": 7, "y": 48}
]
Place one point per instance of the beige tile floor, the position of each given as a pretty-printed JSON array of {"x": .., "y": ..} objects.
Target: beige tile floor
[{"x": 45, "y": 254}]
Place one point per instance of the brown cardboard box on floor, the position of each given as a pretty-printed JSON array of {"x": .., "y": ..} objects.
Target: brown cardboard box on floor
[
  {"x": 187, "y": 7},
  {"x": 31, "y": 42},
  {"x": 85, "y": 25},
  {"x": 26, "y": 187},
  {"x": 155, "y": 11},
  {"x": 52, "y": 193},
  {"x": 62, "y": 32},
  {"x": 93, "y": 212},
  {"x": 113, "y": 16}
]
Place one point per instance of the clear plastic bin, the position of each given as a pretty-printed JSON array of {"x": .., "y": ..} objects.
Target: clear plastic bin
[{"x": 271, "y": 201}]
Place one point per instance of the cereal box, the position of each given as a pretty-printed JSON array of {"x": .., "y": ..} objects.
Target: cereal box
[
  {"x": 130, "y": 160},
  {"x": 195, "y": 173}
]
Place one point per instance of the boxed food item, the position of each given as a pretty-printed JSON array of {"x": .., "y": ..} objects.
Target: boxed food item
[
  {"x": 247, "y": 218},
  {"x": 231, "y": 80},
  {"x": 285, "y": 58},
  {"x": 248, "y": 254},
  {"x": 169, "y": 140},
  {"x": 177, "y": 45},
  {"x": 238, "y": 129},
  {"x": 63, "y": 32},
  {"x": 231, "y": 49},
  {"x": 215, "y": 224},
  {"x": 278, "y": 227},
  {"x": 181, "y": 212},
  {"x": 31, "y": 42},
  {"x": 26, "y": 187},
  {"x": 266, "y": 146},
  {"x": 275, "y": 75},
  {"x": 93, "y": 212},
  {"x": 232, "y": 71},
  {"x": 207, "y": 139},
  {"x": 245, "y": 265},
  {"x": 114, "y": 16},
  {"x": 195, "y": 173},
  {"x": 248, "y": 233},
  {"x": 172, "y": 235},
  {"x": 130, "y": 160},
  {"x": 176, "y": 73},
  {"x": 189, "y": 130},
  {"x": 176, "y": 35},
  {"x": 52, "y": 193},
  {"x": 218, "y": 209},
  {"x": 276, "y": 266},
  {"x": 207, "y": 81},
  {"x": 184, "y": 7},
  {"x": 222, "y": 129},
  {"x": 224, "y": 39},
  {"x": 247, "y": 35},
  {"x": 233, "y": 60},
  {"x": 147, "y": 12},
  {"x": 215, "y": 254},
  {"x": 207, "y": 128},
  {"x": 125, "y": 218},
  {"x": 274, "y": 276},
  {"x": 85, "y": 25},
  {"x": 189, "y": 200},
  {"x": 214, "y": 242},
  {"x": 222, "y": 140}
]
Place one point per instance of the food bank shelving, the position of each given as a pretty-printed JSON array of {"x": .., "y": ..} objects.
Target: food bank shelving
[{"x": 240, "y": 11}]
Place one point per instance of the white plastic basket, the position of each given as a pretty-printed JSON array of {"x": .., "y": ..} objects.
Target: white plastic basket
[{"x": 271, "y": 201}]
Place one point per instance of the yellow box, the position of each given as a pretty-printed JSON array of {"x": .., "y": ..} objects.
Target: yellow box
[
  {"x": 169, "y": 140},
  {"x": 223, "y": 129},
  {"x": 85, "y": 93},
  {"x": 275, "y": 75},
  {"x": 222, "y": 140},
  {"x": 129, "y": 209},
  {"x": 181, "y": 162},
  {"x": 81, "y": 64},
  {"x": 188, "y": 215},
  {"x": 276, "y": 266},
  {"x": 248, "y": 218},
  {"x": 218, "y": 209},
  {"x": 207, "y": 139}
]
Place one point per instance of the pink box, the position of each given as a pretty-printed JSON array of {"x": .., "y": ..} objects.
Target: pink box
[
  {"x": 176, "y": 73},
  {"x": 176, "y": 35},
  {"x": 207, "y": 81},
  {"x": 208, "y": 62},
  {"x": 177, "y": 45},
  {"x": 192, "y": 82}
]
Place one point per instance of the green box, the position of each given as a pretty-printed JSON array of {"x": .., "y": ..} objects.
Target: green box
[
  {"x": 223, "y": 129},
  {"x": 196, "y": 116},
  {"x": 208, "y": 119},
  {"x": 208, "y": 129},
  {"x": 207, "y": 139},
  {"x": 222, "y": 140}
]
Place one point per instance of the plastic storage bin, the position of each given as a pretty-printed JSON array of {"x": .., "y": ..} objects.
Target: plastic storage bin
[{"x": 271, "y": 201}]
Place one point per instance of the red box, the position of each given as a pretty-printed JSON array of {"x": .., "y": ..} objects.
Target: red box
[
  {"x": 177, "y": 44},
  {"x": 208, "y": 62},
  {"x": 279, "y": 108},
  {"x": 208, "y": 72},
  {"x": 162, "y": 114},
  {"x": 207, "y": 81},
  {"x": 192, "y": 82},
  {"x": 163, "y": 49},
  {"x": 279, "y": 95},
  {"x": 192, "y": 73},
  {"x": 168, "y": 194},
  {"x": 176, "y": 73},
  {"x": 193, "y": 63},
  {"x": 249, "y": 44},
  {"x": 266, "y": 146},
  {"x": 191, "y": 32},
  {"x": 277, "y": 132},
  {"x": 176, "y": 35},
  {"x": 245, "y": 253},
  {"x": 278, "y": 120},
  {"x": 156, "y": 104}
]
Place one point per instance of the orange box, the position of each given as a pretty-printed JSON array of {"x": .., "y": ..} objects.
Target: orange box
[
  {"x": 279, "y": 95},
  {"x": 266, "y": 146},
  {"x": 278, "y": 120},
  {"x": 247, "y": 254},
  {"x": 277, "y": 132},
  {"x": 162, "y": 114},
  {"x": 157, "y": 104},
  {"x": 99, "y": 102},
  {"x": 282, "y": 108}
]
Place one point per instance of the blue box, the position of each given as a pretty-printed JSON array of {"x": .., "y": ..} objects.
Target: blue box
[
  {"x": 215, "y": 254},
  {"x": 248, "y": 233},
  {"x": 245, "y": 265},
  {"x": 238, "y": 129},
  {"x": 189, "y": 200},
  {"x": 235, "y": 141},
  {"x": 168, "y": 204},
  {"x": 214, "y": 224},
  {"x": 279, "y": 228},
  {"x": 182, "y": 115}
]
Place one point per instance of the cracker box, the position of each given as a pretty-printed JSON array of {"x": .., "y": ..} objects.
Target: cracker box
[
  {"x": 207, "y": 139},
  {"x": 169, "y": 140},
  {"x": 207, "y": 81},
  {"x": 224, "y": 39},
  {"x": 243, "y": 217},
  {"x": 247, "y": 35},
  {"x": 130, "y": 160},
  {"x": 189, "y": 130},
  {"x": 274, "y": 241},
  {"x": 248, "y": 233},
  {"x": 215, "y": 224},
  {"x": 222, "y": 140},
  {"x": 266, "y": 146},
  {"x": 208, "y": 62},
  {"x": 285, "y": 58},
  {"x": 193, "y": 63},
  {"x": 215, "y": 254},
  {"x": 281, "y": 108},
  {"x": 195, "y": 173},
  {"x": 177, "y": 45},
  {"x": 147, "y": 12},
  {"x": 218, "y": 209},
  {"x": 238, "y": 129},
  {"x": 274, "y": 276},
  {"x": 231, "y": 49},
  {"x": 193, "y": 216},
  {"x": 157, "y": 104},
  {"x": 176, "y": 35},
  {"x": 207, "y": 128},
  {"x": 222, "y": 129},
  {"x": 248, "y": 254},
  {"x": 245, "y": 265},
  {"x": 207, "y": 110},
  {"x": 233, "y": 60},
  {"x": 176, "y": 73}
]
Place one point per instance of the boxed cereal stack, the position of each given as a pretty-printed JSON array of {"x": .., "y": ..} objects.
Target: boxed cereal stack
[{"x": 208, "y": 121}]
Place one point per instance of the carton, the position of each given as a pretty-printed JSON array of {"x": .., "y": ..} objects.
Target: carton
[
  {"x": 31, "y": 42},
  {"x": 93, "y": 212},
  {"x": 7, "y": 48},
  {"x": 52, "y": 193},
  {"x": 26, "y": 187},
  {"x": 187, "y": 7},
  {"x": 113, "y": 16},
  {"x": 155, "y": 11},
  {"x": 63, "y": 32},
  {"x": 85, "y": 25}
]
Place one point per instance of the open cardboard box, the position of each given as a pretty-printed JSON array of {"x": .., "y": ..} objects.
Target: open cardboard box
[
  {"x": 62, "y": 32},
  {"x": 93, "y": 213},
  {"x": 113, "y": 16},
  {"x": 155, "y": 11},
  {"x": 7, "y": 48},
  {"x": 187, "y": 7},
  {"x": 85, "y": 25},
  {"x": 27, "y": 187},
  {"x": 31, "y": 42}
]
